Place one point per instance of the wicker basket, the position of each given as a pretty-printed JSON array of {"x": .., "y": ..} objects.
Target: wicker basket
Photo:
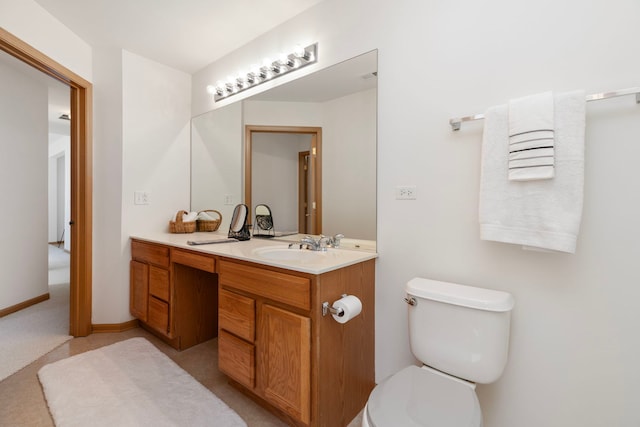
[
  {"x": 178, "y": 226},
  {"x": 209, "y": 225}
]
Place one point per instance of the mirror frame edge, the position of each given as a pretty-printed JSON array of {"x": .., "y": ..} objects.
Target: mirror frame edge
[{"x": 316, "y": 159}]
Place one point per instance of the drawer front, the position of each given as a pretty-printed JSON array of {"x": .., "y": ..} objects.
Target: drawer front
[
  {"x": 148, "y": 252},
  {"x": 237, "y": 314},
  {"x": 236, "y": 358},
  {"x": 282, "y": 287},
  {"x": 195, "y": 260},
  {"x": 158, "y": 316},
  {"x": 159, "y": 283}
]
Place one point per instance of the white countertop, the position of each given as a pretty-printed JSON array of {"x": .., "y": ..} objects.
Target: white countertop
[{"x": 264, "y": 251}]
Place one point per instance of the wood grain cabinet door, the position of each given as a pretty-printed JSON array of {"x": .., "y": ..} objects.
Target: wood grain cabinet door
[
  {"x": 285, "y": 365},
  {"x": 139, "y": 290}
]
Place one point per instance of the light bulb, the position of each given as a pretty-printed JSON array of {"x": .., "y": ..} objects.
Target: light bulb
[
  {"x": 284, "y": 60},
  {"x": 300, "y": 52}
]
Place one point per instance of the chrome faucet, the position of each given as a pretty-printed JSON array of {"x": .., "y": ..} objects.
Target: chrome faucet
[
  {"x": 321, "y": 244},
  {"x": 334, "y": 241}
]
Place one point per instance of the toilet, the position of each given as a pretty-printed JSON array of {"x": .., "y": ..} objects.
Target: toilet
[{"x": 461, "y": 335}]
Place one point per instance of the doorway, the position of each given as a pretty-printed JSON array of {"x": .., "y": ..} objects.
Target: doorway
[
  {"x": 81, "y": 182},
  {"x": 304, "y": 214},
  {"x": 312, "y": 221}
]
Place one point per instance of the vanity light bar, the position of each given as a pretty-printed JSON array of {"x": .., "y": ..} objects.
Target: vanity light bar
[{"x": 269, "y": 70}]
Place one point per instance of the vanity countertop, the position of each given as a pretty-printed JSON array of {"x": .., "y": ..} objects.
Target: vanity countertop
[{"x": 264, "y": 251}]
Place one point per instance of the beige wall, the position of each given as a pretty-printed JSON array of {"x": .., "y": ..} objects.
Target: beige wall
[
  {"x": 573, "y": 353},
  {"x": 24, "y": 186}
]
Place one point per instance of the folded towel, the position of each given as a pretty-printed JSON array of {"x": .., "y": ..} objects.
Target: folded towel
[
  {"x": 204, "y": 216},
  {"x": 188, "y": 217},
  {"x": 541, "y": 213},
  {"x": 531, "y": 137}
]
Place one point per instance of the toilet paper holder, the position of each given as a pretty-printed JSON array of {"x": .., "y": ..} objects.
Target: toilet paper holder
[{"x": 326, "y": 308}]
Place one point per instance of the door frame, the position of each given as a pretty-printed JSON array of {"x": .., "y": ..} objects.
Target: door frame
[
  {"x": 81, "y": 96},
  {"x": 315, "y": 164}
]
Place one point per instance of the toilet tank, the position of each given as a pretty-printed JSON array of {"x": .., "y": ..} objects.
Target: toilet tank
[{"x": 460, "y": 330}]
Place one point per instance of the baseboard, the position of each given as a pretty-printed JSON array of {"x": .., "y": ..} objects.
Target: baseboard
[
  {"x": 114, "y": 327},
  {"x": 24, "y": 304}
]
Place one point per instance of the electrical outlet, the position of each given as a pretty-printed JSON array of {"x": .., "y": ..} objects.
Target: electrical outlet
[
  {"x": 228, "y": 199},
  {"x": 140, "y": 198},
  {"x": 406, "y": 192}
]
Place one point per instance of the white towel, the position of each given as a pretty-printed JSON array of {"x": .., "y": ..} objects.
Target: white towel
[
  {"x": 531, "y": 137},
  {"x": 204, "y": 216},
  {"x": 543, "y": 213},
  {"x": 188, "y": 217}
]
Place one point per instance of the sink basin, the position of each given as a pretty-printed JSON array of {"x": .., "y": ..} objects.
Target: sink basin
[{"x": 283, "y": 253}]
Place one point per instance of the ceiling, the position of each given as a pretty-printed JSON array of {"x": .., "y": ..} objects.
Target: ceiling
[{"x": 186, "y": 35}]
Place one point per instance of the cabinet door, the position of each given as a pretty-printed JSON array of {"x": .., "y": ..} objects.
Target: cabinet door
[
  {"x": 285, "y": 365},
  {"x": 139, "y": 290}
]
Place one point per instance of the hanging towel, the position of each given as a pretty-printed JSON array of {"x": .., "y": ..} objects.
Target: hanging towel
[
  {"x": 542, "y": 213},
  {"x": 531, "y": 137}
]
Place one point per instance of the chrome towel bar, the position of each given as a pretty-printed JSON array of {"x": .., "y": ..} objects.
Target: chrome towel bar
[{"x": 457, "y": 122}]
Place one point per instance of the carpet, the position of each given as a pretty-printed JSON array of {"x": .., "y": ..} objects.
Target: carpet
[
  {"x": 129, "y": 383},
  {"x": 31, "y": 333}
]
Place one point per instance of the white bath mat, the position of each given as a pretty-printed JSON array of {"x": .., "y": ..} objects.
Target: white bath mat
[{"x": 130, "y": 383}]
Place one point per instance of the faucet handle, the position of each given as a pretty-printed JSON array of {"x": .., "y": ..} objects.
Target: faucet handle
[{"x": 335, "y": 240}]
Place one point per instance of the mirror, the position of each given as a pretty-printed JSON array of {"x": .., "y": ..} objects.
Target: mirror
[
  {"x": 238, "y": 228},
  {"x": 340, "y": 103}
]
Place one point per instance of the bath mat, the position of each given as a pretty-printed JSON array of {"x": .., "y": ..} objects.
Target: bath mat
[{"x": 130, "y": 383}]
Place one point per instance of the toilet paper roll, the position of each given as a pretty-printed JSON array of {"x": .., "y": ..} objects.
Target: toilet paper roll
[{"x": 351, "y": 306}]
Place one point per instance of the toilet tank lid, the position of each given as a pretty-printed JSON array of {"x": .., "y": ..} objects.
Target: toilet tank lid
[{"x": 462, "y": 295}]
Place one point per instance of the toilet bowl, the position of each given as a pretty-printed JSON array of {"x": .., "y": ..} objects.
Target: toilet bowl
[
  {"x": 461, "y": 334},
  {"x": 422, "y": 397}
]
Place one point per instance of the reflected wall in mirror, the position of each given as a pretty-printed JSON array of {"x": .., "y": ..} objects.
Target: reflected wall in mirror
[{"x": 341, "y": 101}]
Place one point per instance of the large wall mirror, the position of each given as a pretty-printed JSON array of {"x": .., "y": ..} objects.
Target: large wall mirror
[{"x": 307, "y": 149}]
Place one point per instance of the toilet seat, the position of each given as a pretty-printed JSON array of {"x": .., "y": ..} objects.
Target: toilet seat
[{"x": 416, "y": 397}]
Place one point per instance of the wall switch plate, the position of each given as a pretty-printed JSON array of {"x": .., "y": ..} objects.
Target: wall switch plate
[
  {"x": 406, "y": 192},
  {"x": 140, "y": 198},
  {"x": 228, "y": 199}
]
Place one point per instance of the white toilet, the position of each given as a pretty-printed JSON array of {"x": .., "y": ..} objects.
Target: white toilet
[{"x": 461, "y": 334}]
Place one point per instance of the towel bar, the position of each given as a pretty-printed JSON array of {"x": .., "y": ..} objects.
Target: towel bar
[{"x": 457, "y": 122}]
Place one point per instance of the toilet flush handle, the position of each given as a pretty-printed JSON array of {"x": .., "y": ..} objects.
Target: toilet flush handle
[{"x": 411, "y": 301}]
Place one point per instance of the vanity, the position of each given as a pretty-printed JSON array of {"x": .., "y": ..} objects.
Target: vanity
[{"x": 263, "y": 301}]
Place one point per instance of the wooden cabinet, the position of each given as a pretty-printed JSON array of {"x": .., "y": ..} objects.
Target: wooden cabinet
[
  {"x": 273, "y": 341},
  {"x": 173, "y": 292},
  {"x": 278, "y": 305},
  {"x": 149, "y": 289}
]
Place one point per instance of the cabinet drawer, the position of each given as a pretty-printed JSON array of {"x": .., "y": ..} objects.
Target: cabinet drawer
[
  {"x": 237, "y": 314},
  {"x": 282, "y": 287},
  {"x": 195, "y": 260},
  {"x": 236, "y": 358},
  {"x": 159, "y": 283},
  {"x": 158, "y": 316},
  {"x": 148, "y": 252}
]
